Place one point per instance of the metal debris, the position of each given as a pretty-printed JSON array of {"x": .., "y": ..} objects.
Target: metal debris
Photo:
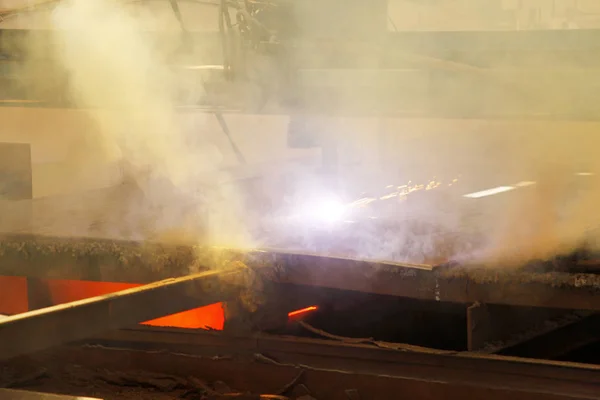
[
  {"x": 378, "y": 343},
  {"x": 293, "y": 384}
]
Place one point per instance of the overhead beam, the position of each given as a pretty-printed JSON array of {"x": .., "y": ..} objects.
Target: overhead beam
[{"x": 36, "y": 330}]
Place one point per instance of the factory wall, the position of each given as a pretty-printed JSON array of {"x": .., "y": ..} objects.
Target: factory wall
[
  {"x": 441, "y": 15},
  {"x": 458, "y": 15},
  {"x": 63, "y": 161},
  {"x": 368, "y": 146}
]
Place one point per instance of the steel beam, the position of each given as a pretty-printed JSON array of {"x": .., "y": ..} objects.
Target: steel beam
[
  {"x": 459, "y": 285},
  {"x": 47, "y": 327},
  {"x": 121, "y": 261}
]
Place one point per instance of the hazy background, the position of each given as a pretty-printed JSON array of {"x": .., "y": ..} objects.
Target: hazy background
[{"x": 182, "y": 166}]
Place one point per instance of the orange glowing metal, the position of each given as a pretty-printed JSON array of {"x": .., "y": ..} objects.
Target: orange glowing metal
[
  {"x": 65, "y": 291},
  {"x": 13, "y": 295},
  {"x": 302, "y": 311},
  {"x": 14, "y": 300}
]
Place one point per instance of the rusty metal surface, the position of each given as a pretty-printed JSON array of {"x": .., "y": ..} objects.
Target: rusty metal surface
[
  {"x": 36, "y": 330},
  {"x": 419, "y": 373}
]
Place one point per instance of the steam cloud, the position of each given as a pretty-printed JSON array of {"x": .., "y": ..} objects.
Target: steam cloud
[
  {"x": 122, "y": 80},
  {"x": 119, "y": 77}
]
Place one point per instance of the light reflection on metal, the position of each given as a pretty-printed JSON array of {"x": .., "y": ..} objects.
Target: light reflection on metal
[
  {"x": 490, "y": 192},
  {"x": 499, "y": 189},
  {"x": 525, "y": 184},
  {"x": 585, "y": 174},
  {"x": 204, "y": 67}
]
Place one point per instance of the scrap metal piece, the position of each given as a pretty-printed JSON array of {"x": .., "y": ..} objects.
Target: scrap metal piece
[{"x": 51, "y": 326}]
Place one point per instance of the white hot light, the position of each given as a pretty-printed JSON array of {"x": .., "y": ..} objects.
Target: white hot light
[
  {"x": 323, "y": 210},
  {"x": 328, "y": 210}
]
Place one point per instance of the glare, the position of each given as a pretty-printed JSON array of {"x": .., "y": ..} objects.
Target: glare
[
  {"x": 329, "y": 210},
  {"x": 323, "y": 210}
]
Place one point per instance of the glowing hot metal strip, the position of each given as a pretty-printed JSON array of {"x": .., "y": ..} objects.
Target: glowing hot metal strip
[
  {"x": 302, "y": 311},
  {"x": 11, "y": 394}
]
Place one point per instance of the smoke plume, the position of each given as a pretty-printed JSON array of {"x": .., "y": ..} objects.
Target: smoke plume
[{"x": 123, "y": 82}]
